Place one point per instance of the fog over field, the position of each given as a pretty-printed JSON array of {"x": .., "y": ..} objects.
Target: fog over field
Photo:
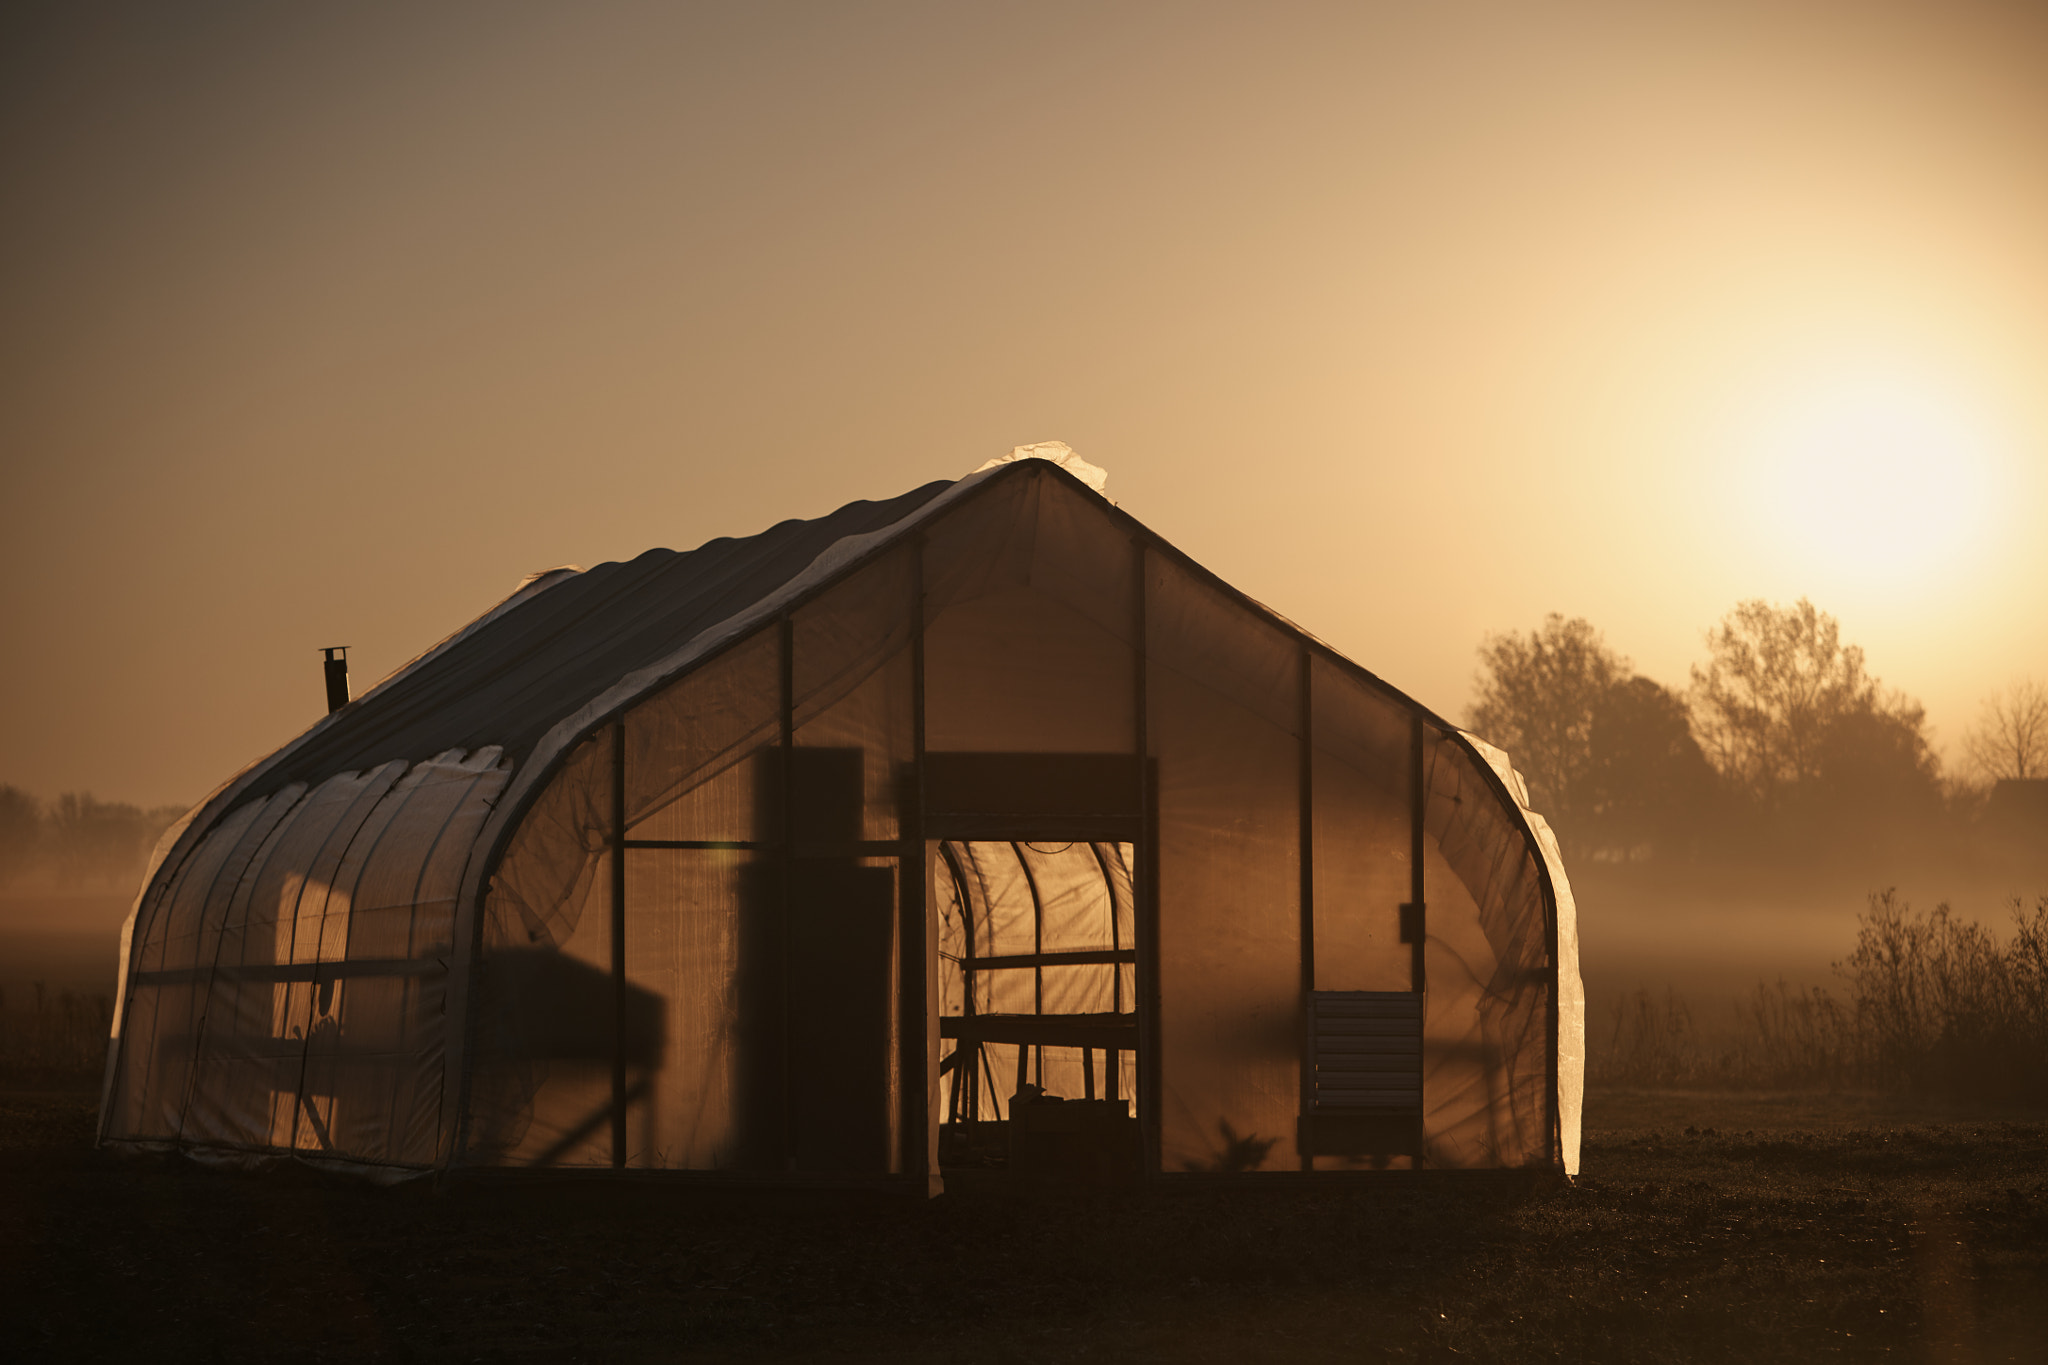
[{"x": 1720, "y": 836}]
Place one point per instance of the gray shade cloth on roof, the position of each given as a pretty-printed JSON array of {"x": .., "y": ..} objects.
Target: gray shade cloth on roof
[{"x": 520, "y": 674}]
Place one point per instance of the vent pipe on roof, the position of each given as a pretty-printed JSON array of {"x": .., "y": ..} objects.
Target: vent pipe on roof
[{"x": 336, "y": 668}]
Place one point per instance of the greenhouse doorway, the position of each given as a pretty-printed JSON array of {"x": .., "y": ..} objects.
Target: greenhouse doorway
[
  {"x": 1039, "y": 1035},
  {"x": 1036, "y": 869}
]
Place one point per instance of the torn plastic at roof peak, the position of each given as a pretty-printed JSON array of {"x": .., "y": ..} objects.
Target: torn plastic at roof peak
[{"x": 1059, "y": 453}]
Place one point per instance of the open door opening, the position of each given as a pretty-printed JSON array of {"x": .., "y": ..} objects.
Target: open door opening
[{"x": 1038, "y": 1007}]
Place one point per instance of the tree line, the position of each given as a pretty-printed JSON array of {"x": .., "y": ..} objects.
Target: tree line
[
  {"x": 1782, "y": 741},
  {"x": 77, "y": 841}
]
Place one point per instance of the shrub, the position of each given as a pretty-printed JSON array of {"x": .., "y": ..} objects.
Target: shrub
[{"x": 1935, "y": 1004}]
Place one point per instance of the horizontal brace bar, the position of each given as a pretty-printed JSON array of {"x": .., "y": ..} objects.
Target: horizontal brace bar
[
  {"x": 1118, "y": 1031},
  {"x": 1074, "y": 959},
  {"x": 295, "y": 971},
  {"x": 1325, "y": 1010},
  {"x": 1409, "y": 1106},
  {"x": 290, "y": 1054},
  {"x": 1034, "y": 829},
  {"x": 841, "y": 848},
  {"x": 1369, "y": 1042}
]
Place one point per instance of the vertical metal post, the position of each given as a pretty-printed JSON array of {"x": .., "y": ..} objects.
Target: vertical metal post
[
  {"x": 1112, "y": 1058},
  {"x": 618, "y": 927},
  {"x": 1037, "y": 949},
  {"x": 1556, "y": 985},
  {"x": 966, "y": 1054},
  {"x": 1415, "y": 915},
  {"x": 1307, "y": 801},
  {"x": 1146, "y": 872},
  {"x": 786, "y": 857},
  {"x": 914, "y": 1021}
]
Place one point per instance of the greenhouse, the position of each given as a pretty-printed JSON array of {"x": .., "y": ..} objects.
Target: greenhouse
[{"x": 978, "y": 829}]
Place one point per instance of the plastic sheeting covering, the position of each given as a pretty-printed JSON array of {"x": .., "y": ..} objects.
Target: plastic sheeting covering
[
  {"x": 288, "y": 979},
  {"x": 699, "y": 930},
  {"x": 1571, "y": 987},
  {"x": 739, "y": 966}
]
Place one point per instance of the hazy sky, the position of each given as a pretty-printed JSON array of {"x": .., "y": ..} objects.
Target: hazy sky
[{"x": 323, "y": 324}]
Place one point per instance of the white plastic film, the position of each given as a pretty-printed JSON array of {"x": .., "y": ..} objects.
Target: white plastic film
[
  {"x": 288, "y": 987},
  {"x": 1224, "y": 701}
]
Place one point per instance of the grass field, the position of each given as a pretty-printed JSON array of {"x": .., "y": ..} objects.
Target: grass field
[{"x": 1706, "y": 1227}]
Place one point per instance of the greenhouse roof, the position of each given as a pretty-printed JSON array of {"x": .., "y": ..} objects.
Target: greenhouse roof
[{"x": 543, "y": 654}]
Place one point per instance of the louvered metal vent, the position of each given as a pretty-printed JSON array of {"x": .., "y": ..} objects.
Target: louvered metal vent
[{"x": 1365, "y": 1050}]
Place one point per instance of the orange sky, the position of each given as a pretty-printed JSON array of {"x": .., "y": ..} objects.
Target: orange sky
[{"x": 325, "y": 328}]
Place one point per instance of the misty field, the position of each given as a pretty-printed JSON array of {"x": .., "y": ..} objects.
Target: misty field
[
  {"x": 1888, "y": 1198},
  {"x": 1706, "y": 1227}
]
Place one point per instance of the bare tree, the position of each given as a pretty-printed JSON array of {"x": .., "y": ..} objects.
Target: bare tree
[
  {"x": 1795, "y": 723},
  {"x": 1776, "y": 679},
  {"x": 1539, "y": 695},
  {"x": 2010, "y": 738}
]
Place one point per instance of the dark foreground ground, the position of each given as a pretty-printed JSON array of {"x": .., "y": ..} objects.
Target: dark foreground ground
[{"x": 1705, "y": 1228}]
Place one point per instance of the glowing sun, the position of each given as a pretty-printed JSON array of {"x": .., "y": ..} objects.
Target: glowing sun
[{"x": 1879, "y": 479}]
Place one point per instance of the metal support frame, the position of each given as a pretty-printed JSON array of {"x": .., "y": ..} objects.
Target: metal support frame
[
  {"x": 915, "y": 1018},
  {"x": 1146, "y": 909},
  {"x": 618, "y": 928},
  {"x": 1415, "y": 914},
  {"x": 786, "y": 872},
  {"x": 472, "y": 921},
  {"x": 1112, "y": 1060},
  {"x": 1037, "y": 950},
  {"x": 966, "y": 1056},
  {"x": 1307, "y": 803}
]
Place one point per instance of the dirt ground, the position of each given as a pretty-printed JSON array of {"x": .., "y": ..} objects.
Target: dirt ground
[{"x": 1705, "y": 1228}]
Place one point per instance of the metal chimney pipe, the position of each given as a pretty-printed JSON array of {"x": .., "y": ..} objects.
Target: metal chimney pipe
[{"x": 336, "y": 669}]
